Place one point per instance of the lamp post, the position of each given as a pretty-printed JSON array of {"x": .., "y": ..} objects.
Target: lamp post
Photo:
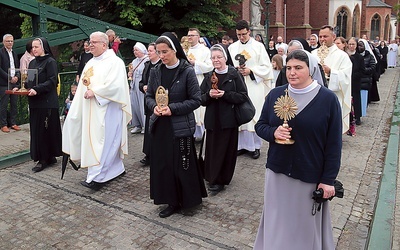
[{"x": 267, "y": 3}]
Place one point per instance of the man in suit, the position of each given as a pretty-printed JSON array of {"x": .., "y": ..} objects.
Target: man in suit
[{"x": 8, "y": 60}]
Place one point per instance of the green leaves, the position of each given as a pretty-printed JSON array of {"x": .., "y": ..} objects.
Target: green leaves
[{"x": 209, "y": 16}]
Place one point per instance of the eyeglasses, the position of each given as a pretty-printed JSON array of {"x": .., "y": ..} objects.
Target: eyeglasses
[
  {"x": 242, "y": 34},
  {"x": 94, "y": 42},
  {"x": 191, "y": 35},
  {"x": 217, "y": 57}
]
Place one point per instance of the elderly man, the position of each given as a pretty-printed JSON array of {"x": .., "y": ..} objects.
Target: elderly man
[
  {"x": 137, "y": 97},
  {"x": 279, "y": 43},
  {"x": 257, "y": 73},
  {"x": 94, "y": 131},
  {"x": 200, "y": 57},
  {"x": 337, "y": 67},
  {"x": 8, "y": 60},
  {"x": 113, "y": 41}
]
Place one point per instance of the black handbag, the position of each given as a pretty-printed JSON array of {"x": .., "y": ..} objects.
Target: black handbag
[{"x": 244, "y": 112}]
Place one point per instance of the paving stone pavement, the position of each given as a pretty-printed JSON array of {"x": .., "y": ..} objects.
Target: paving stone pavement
[{"x": 40, "y": 211}]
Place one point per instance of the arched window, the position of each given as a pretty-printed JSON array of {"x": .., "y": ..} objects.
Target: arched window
[
  {"x": 386, "y": 31},
  {"x": 341, "y": 22},
  {"x": 375, "y": 25},
  {"x": 355, "y": 22}
]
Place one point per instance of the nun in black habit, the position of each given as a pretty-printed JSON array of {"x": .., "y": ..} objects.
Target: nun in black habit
[
  {"x": 175, "y": 177},
  {"x": 44, "y": 118},
  {"x": 221, "y": 89}
]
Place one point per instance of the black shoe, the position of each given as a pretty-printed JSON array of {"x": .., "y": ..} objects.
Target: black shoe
[
  {"x": 145, "y": 161},
  {"x": 92, "y": 185},
  {"x": 241, "y": 152},
  {"x": 215, "y": 188},
  {"x": 211, "y": 187},
  {"x": 358, "y": 122},
  {"x": 170, "y": 210},
  {"x": 39, "y": 167},
  {"x": 51, "y": 161},
  {"x": 256, "y": 154}
]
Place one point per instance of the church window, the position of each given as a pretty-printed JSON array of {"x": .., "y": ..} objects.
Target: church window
[
  {"x": 341, "y": 22},
  {"x": 355, "y": 22},
  {"x": 375, "y": 24}
]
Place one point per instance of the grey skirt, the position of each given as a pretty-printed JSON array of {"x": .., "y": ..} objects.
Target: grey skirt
[{"x": 287, "y": 221}]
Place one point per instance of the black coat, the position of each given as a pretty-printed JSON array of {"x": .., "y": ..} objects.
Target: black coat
[
  {"x": 146, "y": 74},
  {"x": 356, "y": 74},
  {"x": 370, "y": 65},
  {"x": 47, "y": 83},
  {"x": 85, "y": 57},
  {"x": 235, "y": 93},
  {"x": 144, "y": 81},
  {"x": 384, "y": 51},
  {"x": 184, "y": 96},
  {"x": 5, "y": 65},
  {"x": 358, "y": 68},
  {"x": 377, "y": 74},
  {"x": 271, "y": 52}
]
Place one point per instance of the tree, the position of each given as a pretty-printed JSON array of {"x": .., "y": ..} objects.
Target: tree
[
  {"x": 211, "y": 17},
  {"x": 13, "y": 21},
  {"x": 396, "y": 11},
  {"x": 156, "y": 16}
]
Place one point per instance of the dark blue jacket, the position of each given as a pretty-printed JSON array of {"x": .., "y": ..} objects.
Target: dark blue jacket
[{"x": 317, "y": 131}]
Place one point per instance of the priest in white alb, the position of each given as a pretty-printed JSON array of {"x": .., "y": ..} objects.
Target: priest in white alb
[
  {"x": 95, "y": 130},
  {"x": 392, "y": 54},
  {"x": 337, "y": 68},
  {"x": 257, "y": 73},
  {"x": 200, "y": 57}
]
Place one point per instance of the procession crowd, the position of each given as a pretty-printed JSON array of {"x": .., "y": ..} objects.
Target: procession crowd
[{"x": 301, "y": 97}]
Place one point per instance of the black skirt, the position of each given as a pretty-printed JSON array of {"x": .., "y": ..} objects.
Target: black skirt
[
  {"x": 175, "y": 177},
  {"x": 373, "y": 93},
  {"x": 146, "y": 137},
  {"x": 45, "y": 131},
  {"x": 221, "y": 154}
]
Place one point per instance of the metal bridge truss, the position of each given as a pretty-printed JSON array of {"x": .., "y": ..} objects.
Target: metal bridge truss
[{"x": 82, "y": 26}]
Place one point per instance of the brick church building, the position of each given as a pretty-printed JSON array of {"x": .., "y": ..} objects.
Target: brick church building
[{"x": 292, "y": 18}]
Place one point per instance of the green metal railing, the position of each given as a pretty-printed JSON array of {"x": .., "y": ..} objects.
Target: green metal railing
[{"x": 65, "y": 82}]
